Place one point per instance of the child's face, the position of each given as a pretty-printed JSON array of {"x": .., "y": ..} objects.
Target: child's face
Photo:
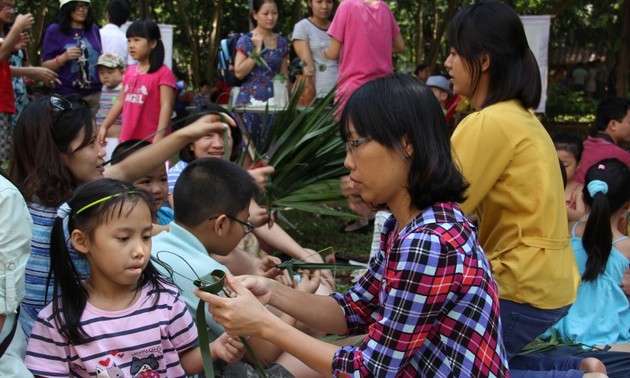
[
  {"x": 120, "y": 248},
  {"x": 156, "y": 183},
  {"x": 620, "y": 130},
  {"x": 569, "y": 162},
  {"x": 110, "y": 77},
  {"x": 140, "y": 48},
  {"x": 234, "y": 233}
]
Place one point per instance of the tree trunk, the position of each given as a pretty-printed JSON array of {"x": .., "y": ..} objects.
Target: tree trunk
[
  {"x": 624, "y": 52},
  {"x": 420, "y": 33},
  {"x": 192, "y": 42},
  {"x": 145, "y": 8},
  {"x": 435, "y": 46},
  {"x": 38, "y": 32},
  {"x": 216, "y": 18}
]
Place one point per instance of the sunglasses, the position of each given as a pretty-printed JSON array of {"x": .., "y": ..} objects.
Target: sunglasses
[{"x": 59, "y": 105}]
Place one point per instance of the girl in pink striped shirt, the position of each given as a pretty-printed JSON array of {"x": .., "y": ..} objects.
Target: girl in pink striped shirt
[{"x": 124, "y": 320}]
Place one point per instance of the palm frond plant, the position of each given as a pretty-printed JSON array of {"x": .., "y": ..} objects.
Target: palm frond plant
[{"x": 304, "y": 147}]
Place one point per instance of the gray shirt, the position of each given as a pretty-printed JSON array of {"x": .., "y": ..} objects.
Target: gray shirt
[{"x": 325, "y": 69}]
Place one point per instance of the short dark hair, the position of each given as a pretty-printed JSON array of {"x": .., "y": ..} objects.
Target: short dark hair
[
  {"x": 597, "y": 237},
  {"x": 39, "y": 139},
  {"x": 211, "y": 186},
  {"x": 119, "y": 12},
  {"x": 570, "y": 143},
  {"x": 610, "y": 108},
  {"x": 407, "y": 107},
  {"x": 185, "y": 154},
  {"x": 127, "y": 148},
  {"x": 494, "y": 28},
  {"x": 420, "y": 67},
  {"x": 64, "y": 19}
]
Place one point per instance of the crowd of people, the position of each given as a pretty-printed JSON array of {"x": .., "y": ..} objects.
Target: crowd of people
[{"x": 488, "y": 236}]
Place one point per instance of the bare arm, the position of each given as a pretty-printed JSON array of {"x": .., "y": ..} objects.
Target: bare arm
[
  {"x": 22, "y": 22},
  {"x": 151, "y": 157},
  {"x": 332, "y": 51},
  {"x": 36, "y": 73},
  {"x": 60, "y": 60},
  {"x": 167, "y": 99},
  {"x": 303, "y": 51},
  {"x": 398, "y": 44}
]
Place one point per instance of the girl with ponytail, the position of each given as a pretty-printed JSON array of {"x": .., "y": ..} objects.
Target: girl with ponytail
[{"x": 600, "y": 315}]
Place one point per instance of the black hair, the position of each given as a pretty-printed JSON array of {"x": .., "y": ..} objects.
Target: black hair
[
  {"x": 149, "y": 30},
  {"x": 406, "y": 107},
  {"x": 610, "y": 108},
  {"x": 494, "y": 28},
  {"x": 420, "y": 67},
  {"x": 127, "y": 148},
  {"x": 185, "y": 154},
  {"x": 309, "y": 9},
  {"x": 70, "y": 296},
  {"x": 65, "y": 17},
  {"x": 203, "y": 83},
  {"x": 118, "y": 11},
  {"x": 570, "y": 143},
  {"x": 256, "y": 5},
  {"x": 39, "y": 139},
  {"x": 597, "y": 237},
  {"x": 209, "y": 187}
]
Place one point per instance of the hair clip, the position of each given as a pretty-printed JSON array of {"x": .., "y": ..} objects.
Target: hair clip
[{"x": 601, "y": 167}]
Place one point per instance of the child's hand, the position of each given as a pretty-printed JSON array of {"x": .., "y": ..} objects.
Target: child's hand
[
  {"x": 102, "y": 134},
  {"x": 267, "y": 267},
  {"x": 261, "y": 175},
  {"x": 227, "y": 348},
  {"x": 309, "y": 281},
  {"x": 23, "y": 22},
  {"x": 258, "y": 215}
]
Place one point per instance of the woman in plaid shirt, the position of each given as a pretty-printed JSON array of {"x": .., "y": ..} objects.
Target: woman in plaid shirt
[{"x": 427, "y": 304}]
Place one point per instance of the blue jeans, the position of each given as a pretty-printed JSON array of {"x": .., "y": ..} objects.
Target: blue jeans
[{"x": 521, "y": 324}]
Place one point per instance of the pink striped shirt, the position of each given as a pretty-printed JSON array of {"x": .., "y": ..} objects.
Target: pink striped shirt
[{"x": 142, "y": 340}]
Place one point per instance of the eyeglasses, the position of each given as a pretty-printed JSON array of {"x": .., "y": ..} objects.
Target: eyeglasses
[
  {"x": 59, "y": 105},
  {"x": 352, "y": 144},
  {"x": 8, "y": 8},
  {"x": 247, "y": 226}
]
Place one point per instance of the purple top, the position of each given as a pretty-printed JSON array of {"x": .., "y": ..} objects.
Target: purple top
[{"x": 77, "y": 76}]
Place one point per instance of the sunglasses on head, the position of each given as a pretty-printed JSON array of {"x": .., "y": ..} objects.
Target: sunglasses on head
[{"x": 59, "y": 105}]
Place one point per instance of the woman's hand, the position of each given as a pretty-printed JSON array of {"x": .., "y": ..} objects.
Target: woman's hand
[
  {"x": 72, "y": 53},
  {"x": 42, "y": 74},
  {"x": 227, "y": 348},
  {"x": 23, "y": 22},
  {"x": 210, "y": 123},
  {"x": 309, "y": 281},
  {"x": 244, "y": 313},
  {"x": 257, "y": 40}
]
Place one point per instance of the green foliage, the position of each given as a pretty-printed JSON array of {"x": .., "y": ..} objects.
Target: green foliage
[
  {"x": 307, "y": 153},
  {"x": 567, "y": 106}
]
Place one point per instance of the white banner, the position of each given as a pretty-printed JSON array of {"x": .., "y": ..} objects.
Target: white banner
[{"x": 537, "y": 31}]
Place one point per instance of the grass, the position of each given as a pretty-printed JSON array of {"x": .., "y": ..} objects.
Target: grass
[{"x": 320, "y": 231}]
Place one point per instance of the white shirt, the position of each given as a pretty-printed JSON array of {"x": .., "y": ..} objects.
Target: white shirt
[{"x": 114, "y": 41}]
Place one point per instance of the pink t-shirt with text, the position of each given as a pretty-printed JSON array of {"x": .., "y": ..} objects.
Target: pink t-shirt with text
[
  {"x": 141, "y": 101},
  {"x": 366, "y": 32}
]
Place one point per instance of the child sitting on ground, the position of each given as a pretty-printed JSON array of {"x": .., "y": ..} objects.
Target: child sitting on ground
[
  {"x": 124, "y": 320},
  {"x": 110, "y": 70},
  {"x": 569, "y": 149},
  {"x": 600, "y": 315}
]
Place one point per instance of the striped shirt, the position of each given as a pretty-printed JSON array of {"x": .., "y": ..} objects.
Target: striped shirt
[
  {"x": 428, "y": 304},
  {"x": 142, "y": 340},
  {"x": 38, "y": 265}
]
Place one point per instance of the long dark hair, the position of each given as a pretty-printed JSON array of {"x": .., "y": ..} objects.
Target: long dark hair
[
  {"x": 64, "y": 19},
  {"x": 70, "y": 296},
  {"x": 397, "y": 106},
  {"x": 150, "y": 31},
  {"x": 39, "y": 139},
  {"x": 492, "y": 27},
  {"x": 597, "y": 237}
]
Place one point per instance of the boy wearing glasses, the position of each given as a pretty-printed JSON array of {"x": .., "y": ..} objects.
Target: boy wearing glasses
[
  {"x": 211, "y": 204},
  {"x": 8, "y": 42}
]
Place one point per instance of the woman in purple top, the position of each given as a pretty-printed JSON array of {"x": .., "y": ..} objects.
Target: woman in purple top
[{"x": 71, "y": 48}]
